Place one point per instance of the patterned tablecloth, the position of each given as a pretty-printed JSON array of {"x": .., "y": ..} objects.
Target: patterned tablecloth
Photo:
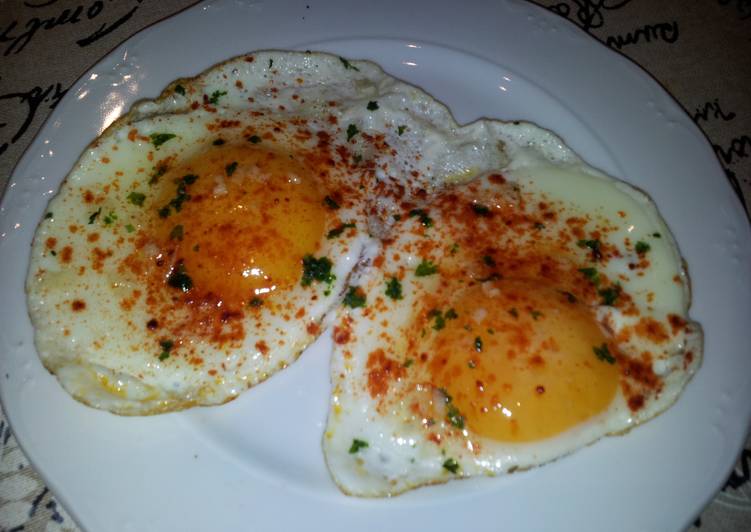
[{"x": 700, "y": 50}]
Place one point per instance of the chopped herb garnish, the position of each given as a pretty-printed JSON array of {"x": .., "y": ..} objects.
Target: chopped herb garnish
[
  {"x": 454, "y": 248},
  {"x": 451, "y": 465},
  {"x": 394, "y": 288},
  {"x": 357, "y": 158},
  {"x": 255, "y": 139},
  {"x": 337, "y": 231},
  {"x": 454, "y": 416},
  {"x": 218, "y": 142},
  {"x": 158, "y": 172},
  {"x": 179, "y": 89},
  {"x": 440, "y": 318},
  {"x": 157, "y": 139},
  {"x": 136, "y": 198},
  {"x": 271, "y": 63},
  {"x": 396, "y": 217},
  {"x": 657, "y": 235},
  {"x": 514, "y": 312},
  {"x": 480, "y": 210},
  {"x": 330, "y": 203},
  {"x": 94, "y": 216},
  {"x": 591, "y": 274},
  {"x": 487, "y": 259},
  {"x": 230, "y": 168},
  {"x": 425, "y": 220},
  {"x": 594, "y": 245},
  {"x": 348, "y": 65},
  {"x": 426, "y": 268},
  {"x": 181, "y": 197},
  {"x": 478, "y": 344},
  {"x": 166, "y": 346},
  {"x": 355, "y": 297},
  {"x": 642, "y": 247},
  {"x": 610, "y": 295},
  {"x": 539, "y": 225},
  {"x": 408, "y": 362},
  {"x": 48, "y": 216},
  {"x": 536, "y": 314},
  {"x": 471, "y": 364},
  {"x": 129, "y": 228},
  {"x": 451, "y": 314},
  {"x": 571, "y": 298},
  {"x": 316, "y": 270},
  {"x": 255, "y": 302},
  {"x": 180, "y": 279},
  {"x": 110, "y": 218},
  {"x": 214, "y": 99},
  {"x": 603, "y": 353},
  {"x": 352, "y": 131},
  {"x": 164, "y": 212},
  {"x": 372, "y": 106},
  {"x": 401, "y": 129},
  {"x": 176, "y": 233},
  {"x": 357, "y": 445}
]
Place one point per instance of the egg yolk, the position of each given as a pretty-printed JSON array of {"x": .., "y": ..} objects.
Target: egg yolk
[
  {"x": 519, "y": 363},
  {"x": 240, "y": 220}
]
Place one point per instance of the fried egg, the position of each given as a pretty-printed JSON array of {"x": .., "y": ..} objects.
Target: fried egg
[
  {"x": 506, "y": 320},
  {"x": 200, "y": 242}
]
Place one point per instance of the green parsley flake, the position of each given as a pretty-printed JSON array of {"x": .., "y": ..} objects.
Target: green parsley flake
[
  {"x": 110, "y": 218},
  {"x": 394, "y": 289},
  {"x": 271, "y": 63},
  {"x": 454, "y": 416},
  {"x": 166, "y": 346},
  {"x": 352, "y": 131},
  {"x": 129, "y": 228},
  {"x": 372, "y": 106},
  {"x": 603, "y": 353},
  {"x": 316, "y": 270},
  {"x": 179, "y": 89},
  {"x": 536, "y": 314},
  {"x": 451, "y": 465},
  {"x": 255, "y": 139},
  {"x": 408, "y": 362},
  {"x": 478, "y": 344},
  {"x": 180, "y": 279},
  {"x": 451, "y": 314},
  {"x": 176, "y": 233},
  {"x": 337, "y": 231},
  {"x": 230, "y": 168},
  {"x": 480, "y": 210},
  {"x": 539, "y": 225},
  {"x": 593, "y": 245},
  {"x": 657, "y": 235},
  {"x": 642, "y": 247},
  {"x": 454, "y": 248},
  {"x": 158, "y": 172},
  {"x": 571, "y": 298},
  {"x": 181, "y": 197},
  {"x": 426, "y": 268},
  {"x": 357, "y": 445},
  {"x": 514, "y": 312},
  {"x": 255, "y": 302},
  {"x": 348, "y": 65},
  {"x": 330, "y": 203},
  {"x": 218, "y": 142},
  {"x": 48, "y": 216},
  {"x": 355, "y": 297},
  {"x": 591, "y": 274},
  {"x": 440, "y": 318},
  {"x": 94, "y": 216},
  {"x": 610, "y": 295},
  {"x": 136, "y": 198},
  {"x": 488, "y": 260},
  {"x": 425, "y": 220},
  {"x": 214, "y": 99},
  {"x": 157, "y": 139},
  {"x": 401, "y": 129}
]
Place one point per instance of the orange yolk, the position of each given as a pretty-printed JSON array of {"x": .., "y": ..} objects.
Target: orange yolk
[
  {"x": 251, "y": 217},
  {"x": 519, "y": 364}
]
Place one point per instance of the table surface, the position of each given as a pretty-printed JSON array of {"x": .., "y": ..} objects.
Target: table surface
[{"x": 700, "y": 51}]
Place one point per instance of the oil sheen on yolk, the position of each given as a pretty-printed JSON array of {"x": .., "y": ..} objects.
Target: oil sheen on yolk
[
  {"x": 535, "y": 375},
  {"x": 252, "y": 216}
]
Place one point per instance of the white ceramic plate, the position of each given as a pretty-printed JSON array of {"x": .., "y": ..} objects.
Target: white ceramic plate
[{"x": 256, "y": 463}]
